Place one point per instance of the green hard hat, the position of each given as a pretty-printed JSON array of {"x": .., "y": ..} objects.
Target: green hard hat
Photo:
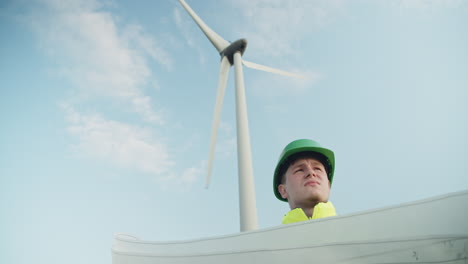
[{"x": 298, "y": 146}]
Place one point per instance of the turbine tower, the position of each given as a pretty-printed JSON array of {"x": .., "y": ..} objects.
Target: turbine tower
[{"x": 231, "y": 54}]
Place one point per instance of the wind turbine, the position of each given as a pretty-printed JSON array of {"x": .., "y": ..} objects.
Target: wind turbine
[{"x": 231, "y": 54}]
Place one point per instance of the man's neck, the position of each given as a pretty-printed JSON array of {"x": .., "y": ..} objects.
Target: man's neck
[{"x": 308, "y": 209}]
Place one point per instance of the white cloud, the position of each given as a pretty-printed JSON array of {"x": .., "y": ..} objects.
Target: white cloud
[
  {"x": 96, "y": 55},
  {"x": 82, "y": 5},
  {"x": 276, "y": 31},
  {"x": 107, "y": 59},
  {"x": 226, "y": 148},
  {"x": 118, "y": 143},
  {"x": 275, "y": 27},
  {"x": 129, "y": 147},
  {"x": 186, "y": 179},
  {"x": 186, "y": 26},
  {"x": 147, "y": 43},
  {"x": 182, "y": 25},
  {"x": 190, "y": 175},
  {"x": 424, "y": 4},
  {"x": 225, "y": 127}
]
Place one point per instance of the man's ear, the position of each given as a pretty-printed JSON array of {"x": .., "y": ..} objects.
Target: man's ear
[{"x": 282, "y": 191}]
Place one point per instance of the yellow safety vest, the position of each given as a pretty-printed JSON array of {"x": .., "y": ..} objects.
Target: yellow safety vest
[{"x": 321, "y": 210}]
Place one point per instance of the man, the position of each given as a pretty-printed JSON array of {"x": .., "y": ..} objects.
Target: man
[{"x": 303, "y": 177}]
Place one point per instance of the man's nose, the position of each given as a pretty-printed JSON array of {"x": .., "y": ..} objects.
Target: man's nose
[{"x": 309, "y": 172}]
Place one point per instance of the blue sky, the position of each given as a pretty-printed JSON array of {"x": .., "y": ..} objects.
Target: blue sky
[{"x": 106, "y": 110}]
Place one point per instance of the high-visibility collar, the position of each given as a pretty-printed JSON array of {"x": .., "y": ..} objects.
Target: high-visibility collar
[{"x": 321, "y": 210}]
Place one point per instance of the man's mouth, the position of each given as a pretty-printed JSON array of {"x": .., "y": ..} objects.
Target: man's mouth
[{"x": 311, "y": 183}]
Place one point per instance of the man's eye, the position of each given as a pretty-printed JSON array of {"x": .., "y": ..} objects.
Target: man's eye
[{"x": 298, "y": 170}]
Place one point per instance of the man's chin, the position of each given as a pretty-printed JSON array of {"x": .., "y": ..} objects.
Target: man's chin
[{"x": 318, "y": 198}]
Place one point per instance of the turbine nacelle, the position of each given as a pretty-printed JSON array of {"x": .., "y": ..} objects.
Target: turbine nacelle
[{"x": 238, "y": 45}]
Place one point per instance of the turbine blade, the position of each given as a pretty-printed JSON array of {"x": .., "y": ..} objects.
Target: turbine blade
[
  {"x": 217, "y": 41},
  {"x": 223, "y": 76},
  {"x": 272, "y": 70}
]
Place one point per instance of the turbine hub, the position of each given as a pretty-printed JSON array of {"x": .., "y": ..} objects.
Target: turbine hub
[{"x": 238, "y": 45}]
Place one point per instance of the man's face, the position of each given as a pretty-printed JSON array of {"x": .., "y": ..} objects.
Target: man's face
[{"x": 306, "y": 183}]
